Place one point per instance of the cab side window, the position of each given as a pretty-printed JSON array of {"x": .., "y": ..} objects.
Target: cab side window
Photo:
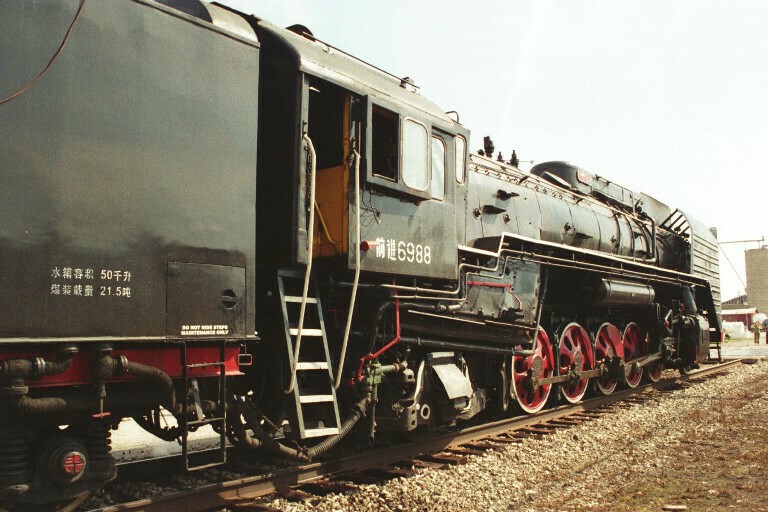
[
  {"x": 461, "y": 157},
  {"x": 415, "y": 155},
  {"x": 385, "y": 151},
  {"x": 401, "y": 155},
  {"x": 437, "y": 185}
]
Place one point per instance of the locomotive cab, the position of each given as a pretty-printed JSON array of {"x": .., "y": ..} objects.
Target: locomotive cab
[
  {"x": 377, "y": 180},
  {"x": 374, "y": 137}
]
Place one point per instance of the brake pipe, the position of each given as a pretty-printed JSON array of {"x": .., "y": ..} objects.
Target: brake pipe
[{"x": 383, "y": 349}]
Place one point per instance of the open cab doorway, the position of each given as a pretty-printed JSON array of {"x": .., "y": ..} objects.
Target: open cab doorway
[{"x": 334, "y": 129}]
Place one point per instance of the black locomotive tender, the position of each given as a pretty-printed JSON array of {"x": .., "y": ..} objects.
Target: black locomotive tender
[{"x": 258, "y": 232}]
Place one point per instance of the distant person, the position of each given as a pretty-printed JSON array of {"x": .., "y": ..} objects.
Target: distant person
[
  {"x": 756, "y": 329},
  {"x": 765, "y": 330}
]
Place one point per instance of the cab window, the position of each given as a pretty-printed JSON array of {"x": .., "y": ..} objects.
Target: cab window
[
  {"x": 461, "y": 157},
  {"x": 385, "y": 149},
  {"x": 415, "y": 155},
  {"x": 399, "y": 154},
  {"x": 437, "y": 184}
]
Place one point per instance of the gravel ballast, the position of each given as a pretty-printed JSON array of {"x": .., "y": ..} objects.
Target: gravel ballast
[{"x": 705, "y": 447}]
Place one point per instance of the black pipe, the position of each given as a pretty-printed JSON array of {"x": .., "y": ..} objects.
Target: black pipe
[
  {"x": 171, "y": 433},
  {"x": 456, "y": 346},
  {"x": 37, "y": 367},
  {"x": 264, "y": 440},
  {"x": 157, "y": 376},
  {"x": 383, "y": 307},
  {"x": 104, "y": 368},
  {"x": 542, "y": 296},
  {"x": 42, "y": 406},
  {"x": 69, "y": 409},
  {"x": 689, "y": 301}
]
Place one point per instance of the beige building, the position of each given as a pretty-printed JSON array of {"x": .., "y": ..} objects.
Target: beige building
[{"x": 757, "y": 278}]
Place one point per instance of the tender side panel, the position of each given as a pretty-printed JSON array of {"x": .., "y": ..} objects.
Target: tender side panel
[
  {"x": 136, "y": 149},
  {"x": 705, "y": 263}
]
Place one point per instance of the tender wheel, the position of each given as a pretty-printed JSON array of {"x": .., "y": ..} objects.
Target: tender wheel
[
  {"x": 608, "y": 344},
  {"x": 634, "y": 346},
  {"x": 541, "y": 364},
  {"x": 575, "y": 355}
]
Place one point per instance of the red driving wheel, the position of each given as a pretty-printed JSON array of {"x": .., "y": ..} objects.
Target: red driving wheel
[
  {"x": 608, "y": 344},
  {"x": 635, "y": 346},
  {"x": 540, "y": 364},
  {"x": 575, "y": 351}
]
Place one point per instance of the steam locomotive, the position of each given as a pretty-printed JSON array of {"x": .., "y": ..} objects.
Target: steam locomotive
[{"x": 211, "y": 220}]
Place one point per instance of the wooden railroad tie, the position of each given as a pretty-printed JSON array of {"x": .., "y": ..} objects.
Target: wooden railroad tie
[{"x": 452, "y": 460}]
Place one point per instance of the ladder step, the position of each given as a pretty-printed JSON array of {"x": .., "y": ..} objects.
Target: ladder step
[
  {"x": 318, "y": 432},
  {"x": 206, "y": 365},
  {"x": 207, "y": 421},
  {"x": 319, "y": 365},
  {"x": 290, "y": 273},
  {"x": 306, "y": 332},
  {"x": 315, "y": 399},
  {"x": 294, "y": 298}
]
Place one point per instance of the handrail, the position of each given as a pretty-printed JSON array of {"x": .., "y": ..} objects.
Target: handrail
[
  {"x": 310, "y": 239},
  {"x": 357, "y": 270}
]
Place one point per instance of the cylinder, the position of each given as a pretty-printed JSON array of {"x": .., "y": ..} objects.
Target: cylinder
[{"x": 614, "y": 291}]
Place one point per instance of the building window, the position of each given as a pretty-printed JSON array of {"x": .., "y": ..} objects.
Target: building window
[
  {"x": 461, "y": 156},
  {"x": 415, "y": 155},
  {"x": 437, "y": 185}
]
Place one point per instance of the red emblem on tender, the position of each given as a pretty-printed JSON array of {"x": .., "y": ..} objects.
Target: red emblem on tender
[{"x": 74, "y": 464}]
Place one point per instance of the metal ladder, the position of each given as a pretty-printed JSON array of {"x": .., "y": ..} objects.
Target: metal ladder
[
  {"x": 715, "y": 345},
  {"x": 220, "y": 457},
  {"x": 317, "y": 410}
]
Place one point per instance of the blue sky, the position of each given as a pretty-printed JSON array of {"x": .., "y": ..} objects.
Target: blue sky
[{"x": 667, "y": 97}]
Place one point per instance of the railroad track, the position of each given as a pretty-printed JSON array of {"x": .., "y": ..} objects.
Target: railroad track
[{"x": 320, "y": 478}]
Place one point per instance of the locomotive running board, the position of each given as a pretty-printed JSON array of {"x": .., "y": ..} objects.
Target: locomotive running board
[
  {"x": 494, "y": 246},
  {"x": 314, "y": 393}
]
